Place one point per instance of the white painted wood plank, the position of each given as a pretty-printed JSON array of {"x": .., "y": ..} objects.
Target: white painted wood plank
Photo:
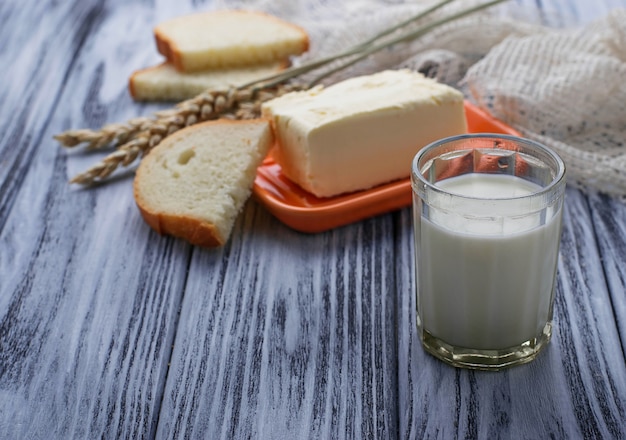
[
  {"x": 89, "y": 297},
  {"x": 595, "y": 367},
  {"x": 609, "y": 220},
  {"x": 287, "y": 335},
  {"x": 32, "y": 79}
]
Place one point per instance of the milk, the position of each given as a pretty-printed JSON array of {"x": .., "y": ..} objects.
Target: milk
[{"x": 486, "y": 283}]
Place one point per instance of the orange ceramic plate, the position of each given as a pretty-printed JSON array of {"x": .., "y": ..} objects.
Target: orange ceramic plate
[{"x": 304, "y": 212}]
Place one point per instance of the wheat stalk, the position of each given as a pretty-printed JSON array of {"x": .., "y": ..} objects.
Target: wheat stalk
[
  {"x": 137, "y": 136},
  {"x": 110, "y": 134},
  {"x": 232, "y": 103}
]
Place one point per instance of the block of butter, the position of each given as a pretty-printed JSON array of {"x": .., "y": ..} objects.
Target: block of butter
[{"x": 363, "y": 131}]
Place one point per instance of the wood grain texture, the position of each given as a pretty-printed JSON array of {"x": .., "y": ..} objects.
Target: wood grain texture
[
  {"x": 609, "y": 220},
  {"x": 24, "y": 109},
  {"x": 110, "y": 331},
  {"x": 303, "y": 349},
  {"x": 88, "y": 308}
]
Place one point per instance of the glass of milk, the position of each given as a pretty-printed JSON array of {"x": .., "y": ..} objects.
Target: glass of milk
[{"x": 487, "y": 212}]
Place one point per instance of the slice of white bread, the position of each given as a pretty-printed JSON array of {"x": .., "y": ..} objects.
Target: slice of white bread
[
  {"x": 221, "y": 39},
  {"x": 196, "y": 181},
  {"x": 165, "y": 83}
]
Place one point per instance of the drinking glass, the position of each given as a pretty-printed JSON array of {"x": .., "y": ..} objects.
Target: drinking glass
[{"x": 487, "y": 212}]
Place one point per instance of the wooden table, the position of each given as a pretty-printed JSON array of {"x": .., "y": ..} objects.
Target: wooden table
[{"x": 109, "y": 330}]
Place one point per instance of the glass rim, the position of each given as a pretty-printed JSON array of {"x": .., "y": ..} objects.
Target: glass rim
[{"x": 555, "y": 182}]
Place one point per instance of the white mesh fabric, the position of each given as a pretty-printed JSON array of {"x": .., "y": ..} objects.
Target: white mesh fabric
[{"x": 566, "y": 89}]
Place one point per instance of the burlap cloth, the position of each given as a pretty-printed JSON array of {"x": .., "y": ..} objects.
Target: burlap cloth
[{"x": 564, "y": 87}]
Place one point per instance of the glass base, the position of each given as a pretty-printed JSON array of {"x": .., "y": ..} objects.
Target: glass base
[{"x": 491, "y": 360}]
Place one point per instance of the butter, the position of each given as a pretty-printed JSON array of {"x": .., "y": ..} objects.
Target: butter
[{"x": 361, "y": 132}]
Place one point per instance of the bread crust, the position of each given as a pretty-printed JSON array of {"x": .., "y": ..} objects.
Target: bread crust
[
  {"x": 132, "y": 80},
  {"x": 190, "y": 229},
  {"x": 173, "y": 54},
  {"x": 168, "y": 49}
]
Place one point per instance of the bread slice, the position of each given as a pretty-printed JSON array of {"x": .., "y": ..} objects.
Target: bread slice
[
  {"x": 165, "y": 83},
  {"x": 222, "y": 39},
  {"x": 196, "y": 181}
]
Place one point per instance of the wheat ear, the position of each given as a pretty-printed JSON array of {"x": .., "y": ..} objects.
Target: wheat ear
[
  {"x": 110, "y": 134},
  {"x": 232, "y": 103}
]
